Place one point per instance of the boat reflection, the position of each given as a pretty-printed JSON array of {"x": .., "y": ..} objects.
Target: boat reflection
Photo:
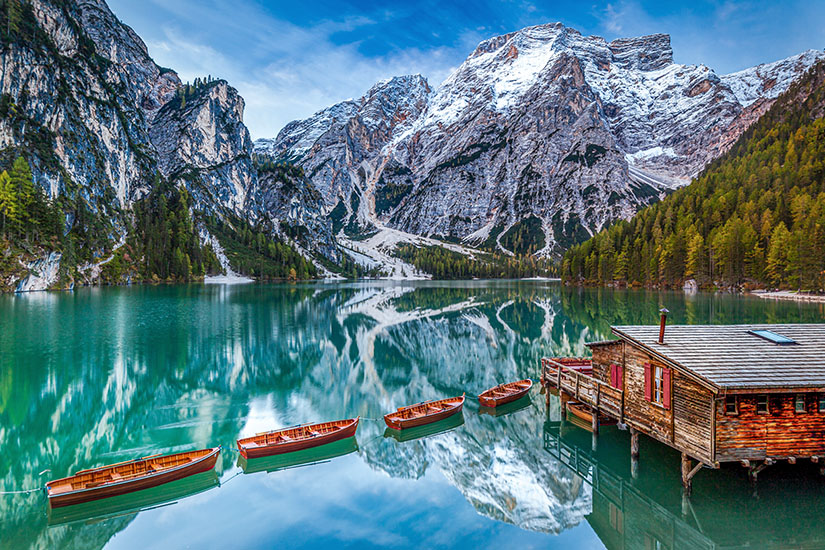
[
  {"x": 298, "y": 458},
  {"x": 507, "y": 408},
  {"x": 648, "y": 510},
  {"x": 132, "y": 503},
  {"x": 427, "y": 430}
]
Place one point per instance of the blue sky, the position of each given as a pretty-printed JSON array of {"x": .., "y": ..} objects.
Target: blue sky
[{"x": 290, "y": 59}]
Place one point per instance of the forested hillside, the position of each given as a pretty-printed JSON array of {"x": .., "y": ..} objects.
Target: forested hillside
[
  {"x": 754, "y": 216},
  {"x": 163, "y": 242}
]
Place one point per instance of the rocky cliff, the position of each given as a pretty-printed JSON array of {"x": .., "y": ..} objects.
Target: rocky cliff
[
  {"x": 101, "y": 124},
  {"x": 542, "y": 132}
]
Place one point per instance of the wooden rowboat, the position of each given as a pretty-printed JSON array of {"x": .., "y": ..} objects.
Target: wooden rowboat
[
  {"x": 423, "y": 413},
  {"x": 296, "y": 438},
  {"x": 129, "y": 476},
  {"x": 582, "y": 412},
  {"x": 505, "y": 393}
]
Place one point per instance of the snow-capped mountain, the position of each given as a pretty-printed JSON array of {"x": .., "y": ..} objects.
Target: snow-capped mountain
[{"x": 541, "y": 130}]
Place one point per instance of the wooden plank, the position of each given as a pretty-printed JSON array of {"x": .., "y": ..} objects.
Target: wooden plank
[{"x": 727, "y": 355}]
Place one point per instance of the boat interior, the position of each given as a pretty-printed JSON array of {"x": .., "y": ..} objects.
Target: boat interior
[
  {"x": 506, "y": 389},
  {"x": 425, "y": 409},
  {"x": 95, "y": 477},
  {"x": 294, "y": 434}
]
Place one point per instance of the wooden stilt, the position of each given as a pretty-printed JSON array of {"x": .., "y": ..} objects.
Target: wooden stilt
[
  {"x": 753, "y": 471},
  {"x": 634, "y": 453},
  {"x": 688, "y": 471},
  {"x": 595, "y": 420}
]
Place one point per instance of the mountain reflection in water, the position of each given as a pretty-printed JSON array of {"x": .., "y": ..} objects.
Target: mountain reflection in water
[{"x": 106, "y": 374}]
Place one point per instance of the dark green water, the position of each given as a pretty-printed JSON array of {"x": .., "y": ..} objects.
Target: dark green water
[{"x": 102, "y": 375}]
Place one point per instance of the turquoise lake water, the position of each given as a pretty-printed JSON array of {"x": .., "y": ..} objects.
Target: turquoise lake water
[{"x": 101, "y": 375}]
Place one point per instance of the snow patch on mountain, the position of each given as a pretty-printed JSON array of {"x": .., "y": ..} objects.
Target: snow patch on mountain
[
  {"x": 769, "y": 80},
  {"x": 540, "y": 123}
]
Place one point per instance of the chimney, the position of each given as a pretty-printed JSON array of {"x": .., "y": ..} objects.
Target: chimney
[{"x": 664, "y": 313}]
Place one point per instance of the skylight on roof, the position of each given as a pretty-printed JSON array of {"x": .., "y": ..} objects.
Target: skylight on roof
[{"x": 771, "y": 336}]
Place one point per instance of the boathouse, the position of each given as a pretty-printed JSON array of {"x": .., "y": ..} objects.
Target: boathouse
[{"x": 752, "y": 394}]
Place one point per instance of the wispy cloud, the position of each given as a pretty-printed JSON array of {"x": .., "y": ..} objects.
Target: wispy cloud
[{"x": 286, "y": 71}]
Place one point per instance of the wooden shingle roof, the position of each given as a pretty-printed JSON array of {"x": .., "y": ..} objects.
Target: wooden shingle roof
[{"x": 728, "y": 356}]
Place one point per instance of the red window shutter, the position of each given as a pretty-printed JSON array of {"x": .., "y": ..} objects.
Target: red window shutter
[
  {"x": 613, "y": 375},
  {"x": 666, "y": 389},
  {"x": 648, "y": 383},
  {"x": 620, "y": 377}
]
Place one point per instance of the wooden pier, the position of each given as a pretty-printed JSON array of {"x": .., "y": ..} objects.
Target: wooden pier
[{"x": 752, "y": 394}]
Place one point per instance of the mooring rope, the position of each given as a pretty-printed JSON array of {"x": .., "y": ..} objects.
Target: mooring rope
[
  {"x": 23, "y": 492},
  {"x": 231, "y": 478},
  {"x": 28, "y": 491},
  {"x": 370, "y": 441}
]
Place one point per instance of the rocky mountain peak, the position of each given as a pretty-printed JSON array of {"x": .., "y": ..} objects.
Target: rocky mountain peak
[
  {"x": 541, "y": 132},
  {"x": 645, "y": 53}
]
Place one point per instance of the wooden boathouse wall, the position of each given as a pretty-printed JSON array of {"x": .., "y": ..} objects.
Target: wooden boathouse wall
[
  {"x": 781, "y": 433},
  {"x": 686, "y": 424}
]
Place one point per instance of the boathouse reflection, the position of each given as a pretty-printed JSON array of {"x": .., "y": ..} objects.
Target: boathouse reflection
[{"x": 648, "y": 511}]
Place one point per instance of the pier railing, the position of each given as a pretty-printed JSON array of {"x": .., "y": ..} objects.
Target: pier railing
[{"x": 572, "y": 376}]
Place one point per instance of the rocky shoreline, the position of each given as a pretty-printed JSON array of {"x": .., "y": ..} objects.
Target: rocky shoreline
[{"x": 790, "y": 295}]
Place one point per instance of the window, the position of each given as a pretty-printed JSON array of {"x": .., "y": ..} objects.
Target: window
[
  {"x": 762, "y": 404},
  {"x": 822, "y": 402},
  {"x": 652, "y": 543},
  {"x": 770, "y": 336},
  {"x": 616, "y": 376},
  {"x": 731, "y": 405},
  {"x": 799, "y": 403},
  {"x": 658, "y": 385},
  {"x": 616, "y": 518}
]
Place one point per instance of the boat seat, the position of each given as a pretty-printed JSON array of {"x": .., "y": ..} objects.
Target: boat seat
[{"x": 116, "y": 476}]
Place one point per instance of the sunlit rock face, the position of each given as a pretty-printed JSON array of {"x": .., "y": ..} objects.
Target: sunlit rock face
[
  {"x": 205, "y": 141},
  {"x": 541, "y": 124}
]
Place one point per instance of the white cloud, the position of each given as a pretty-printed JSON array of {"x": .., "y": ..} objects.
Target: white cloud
[{"x": 288, "y": 72}]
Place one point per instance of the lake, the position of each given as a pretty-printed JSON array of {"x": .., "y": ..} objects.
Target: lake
[{"x": 101, "y": 375}]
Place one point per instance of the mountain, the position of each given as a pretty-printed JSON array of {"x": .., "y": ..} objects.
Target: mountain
[
  {"x": 542, "y": 134},
  {"x": 754, "y": 216},
  {"x": 101, "y": 128}
]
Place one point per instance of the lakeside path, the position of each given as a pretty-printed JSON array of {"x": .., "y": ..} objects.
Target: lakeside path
[{"x": 787, "y": 295}]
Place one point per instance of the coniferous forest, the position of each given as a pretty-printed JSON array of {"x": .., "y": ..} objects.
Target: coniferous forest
[
  {"x": 755, "y": 216},
  {"x": 163, "y": 242},
  {"x": 446, "y": 264}
]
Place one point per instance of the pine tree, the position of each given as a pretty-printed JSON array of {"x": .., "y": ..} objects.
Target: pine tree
[
  {"x": 779, "y": 255},
  {"x": 20, "y": 177},
  {"x": 9, "y": 205}
]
